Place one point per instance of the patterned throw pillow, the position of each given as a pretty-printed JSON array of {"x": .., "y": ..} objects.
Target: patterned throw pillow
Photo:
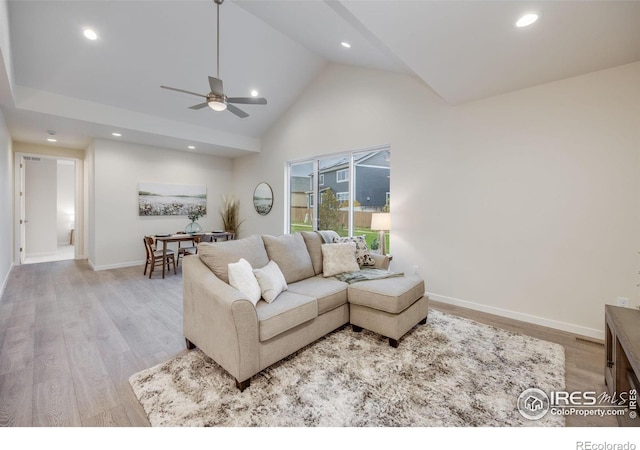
[{"x": 362, "y": 251}]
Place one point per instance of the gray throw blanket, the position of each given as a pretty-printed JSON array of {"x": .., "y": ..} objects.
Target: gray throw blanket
[
  {"x": 367, "y": 274},
  {"x": 327, "y": 236}
]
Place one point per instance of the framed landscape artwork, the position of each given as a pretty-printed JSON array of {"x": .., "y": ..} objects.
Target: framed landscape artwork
[{"x": 156, "y": 199}]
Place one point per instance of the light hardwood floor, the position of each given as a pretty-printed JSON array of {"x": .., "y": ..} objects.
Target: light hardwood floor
[{"x": 71, "y": 337}]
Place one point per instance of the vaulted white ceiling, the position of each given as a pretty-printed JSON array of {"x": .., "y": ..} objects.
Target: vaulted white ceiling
[{"x": 52, "y": 78}]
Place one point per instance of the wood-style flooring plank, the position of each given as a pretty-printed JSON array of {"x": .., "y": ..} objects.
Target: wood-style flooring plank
[
  {"x": 54, "y": 403},
  {"x": 113, "y": 417},
  {"x": 16, "y": 394}
]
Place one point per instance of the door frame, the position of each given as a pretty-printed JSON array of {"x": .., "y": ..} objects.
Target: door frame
[{"x": 19, "y": 211}]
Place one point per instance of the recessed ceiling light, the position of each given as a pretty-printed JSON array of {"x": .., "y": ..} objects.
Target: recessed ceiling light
[
  {"x": 345, "y": 44},
  {"x": 116, "y": 134},
  {"x": 52, "y": 140},
  {"x": 254, "y": 93},
  {"x": 191, "y": 147},
  {"x": 90, "y": 34},
  {"x": 527, "y": 20}
]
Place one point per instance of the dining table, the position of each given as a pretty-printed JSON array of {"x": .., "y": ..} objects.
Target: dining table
[{"x": 181, "y": 237}]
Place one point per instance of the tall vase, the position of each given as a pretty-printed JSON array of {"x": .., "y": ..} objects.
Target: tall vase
[{"x": 193, "y": 228}]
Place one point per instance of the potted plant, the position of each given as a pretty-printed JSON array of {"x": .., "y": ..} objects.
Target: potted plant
[{"x": 230, "y": 214}]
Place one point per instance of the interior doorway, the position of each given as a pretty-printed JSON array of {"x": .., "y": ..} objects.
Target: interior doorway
[{"x": 47, "y": 209}]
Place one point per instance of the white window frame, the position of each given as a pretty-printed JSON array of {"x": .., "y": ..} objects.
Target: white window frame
[
  {"x": 350, "y": 171},
  {"x": 321, "y": 179},
  {"x": 346, "y": 175}
]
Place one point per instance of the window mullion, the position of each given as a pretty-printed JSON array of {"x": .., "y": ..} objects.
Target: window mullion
[
  {"x": 351, "y": 192},
  {"x": 316, "y": 196}
]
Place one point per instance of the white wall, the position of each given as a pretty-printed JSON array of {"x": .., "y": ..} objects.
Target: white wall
[
  {"x": 66, "y": 200},
  {"x": 6, "y": 203},
  {"x": 41, "y": 199},
  {"x": 115, "y": 228},
  {"x": 524, "y": 204}
]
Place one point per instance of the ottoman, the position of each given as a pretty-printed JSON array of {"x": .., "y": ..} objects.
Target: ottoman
[{"x": 390, "y": 306}]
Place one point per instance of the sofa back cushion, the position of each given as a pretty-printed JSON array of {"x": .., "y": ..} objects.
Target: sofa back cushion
[
  {"x": 290, "y": 253},
  {"x": 313, "y": 241},
  {"x": 218, "y": 255}
]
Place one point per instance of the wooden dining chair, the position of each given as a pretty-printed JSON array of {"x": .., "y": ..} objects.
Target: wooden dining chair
[
  {"x": 189, "y": 249},
  {"x": 154, "y": 256}
]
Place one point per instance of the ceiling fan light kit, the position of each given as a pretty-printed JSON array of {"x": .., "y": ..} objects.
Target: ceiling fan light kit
[{"x": 216, "y": 99}]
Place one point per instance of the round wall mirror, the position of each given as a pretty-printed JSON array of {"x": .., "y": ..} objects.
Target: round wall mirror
[{"x": 263, "y": 199}]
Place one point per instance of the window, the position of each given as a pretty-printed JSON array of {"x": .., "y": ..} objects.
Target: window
[
  {"x": 301, "y": 196},
  {"x": 346, "y": 200}
]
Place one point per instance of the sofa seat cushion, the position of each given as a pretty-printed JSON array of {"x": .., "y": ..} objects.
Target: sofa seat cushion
[
  {"x": 392, "y": 295},
  {"x": 218, "y": 255},
  {"x": 290, "y": 253},
  {"x": 287, "y": 311},
  {"x": 329, "y": 292}
]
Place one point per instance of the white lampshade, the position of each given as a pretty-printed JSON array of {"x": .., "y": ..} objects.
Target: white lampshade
[
  {"x": 381, "y": 221},
  {"x": 217, "y": 106}
]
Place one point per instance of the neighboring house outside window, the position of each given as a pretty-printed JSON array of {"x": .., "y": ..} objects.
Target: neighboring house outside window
[{"x": 339, "y": 192}]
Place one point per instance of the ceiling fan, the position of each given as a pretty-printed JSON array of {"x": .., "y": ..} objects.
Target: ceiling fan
[{"x": 216, "y": 99}]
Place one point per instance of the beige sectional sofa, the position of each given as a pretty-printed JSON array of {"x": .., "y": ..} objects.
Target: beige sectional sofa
[{"x": 245, "y": 338}]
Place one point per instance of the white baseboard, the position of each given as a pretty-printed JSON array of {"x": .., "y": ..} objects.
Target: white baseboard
[
  {"x": 115, "y": 266},
  {"x": 6, "y": 279},
  {"x": 563, "y": 326}
]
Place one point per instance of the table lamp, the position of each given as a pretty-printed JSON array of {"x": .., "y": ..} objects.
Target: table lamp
[{"x": 381, "y": 222}]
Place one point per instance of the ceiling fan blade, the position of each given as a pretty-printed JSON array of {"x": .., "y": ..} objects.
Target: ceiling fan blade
[
  {"x": 237, "y": 111},
  {"x": 248, "y": 100},
  {"x": 182, "y": 90},
  {"x": 199, "y": 106},
  {"x": 216, "y": 86}
]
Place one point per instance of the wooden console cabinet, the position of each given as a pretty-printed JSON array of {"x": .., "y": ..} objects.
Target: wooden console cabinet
[{"x": 622, "y": 355}]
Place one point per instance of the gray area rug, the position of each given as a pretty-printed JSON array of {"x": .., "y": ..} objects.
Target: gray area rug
[{"x": 449, "y": 372}]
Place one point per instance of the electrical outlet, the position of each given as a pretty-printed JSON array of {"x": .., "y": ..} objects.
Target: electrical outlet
[
  {"x": 623, "y": 301},
  {"x": 415, "y": 270}
]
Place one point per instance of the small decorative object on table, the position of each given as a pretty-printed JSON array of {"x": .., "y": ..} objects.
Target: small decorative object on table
[{"x": 194, "y": 214}]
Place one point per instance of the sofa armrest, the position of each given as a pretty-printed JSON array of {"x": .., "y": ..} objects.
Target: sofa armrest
[
  {"x": 219, "y": 320},
  {"x": 382, "y": 261}
]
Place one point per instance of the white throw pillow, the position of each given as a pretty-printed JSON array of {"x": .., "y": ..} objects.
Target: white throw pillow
[
  {"x": 339, "y": 258},
  {"x": 242, "y": 278},
  {"x": 271, "y": 281},
  {"x": 362, "y": 251}
]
